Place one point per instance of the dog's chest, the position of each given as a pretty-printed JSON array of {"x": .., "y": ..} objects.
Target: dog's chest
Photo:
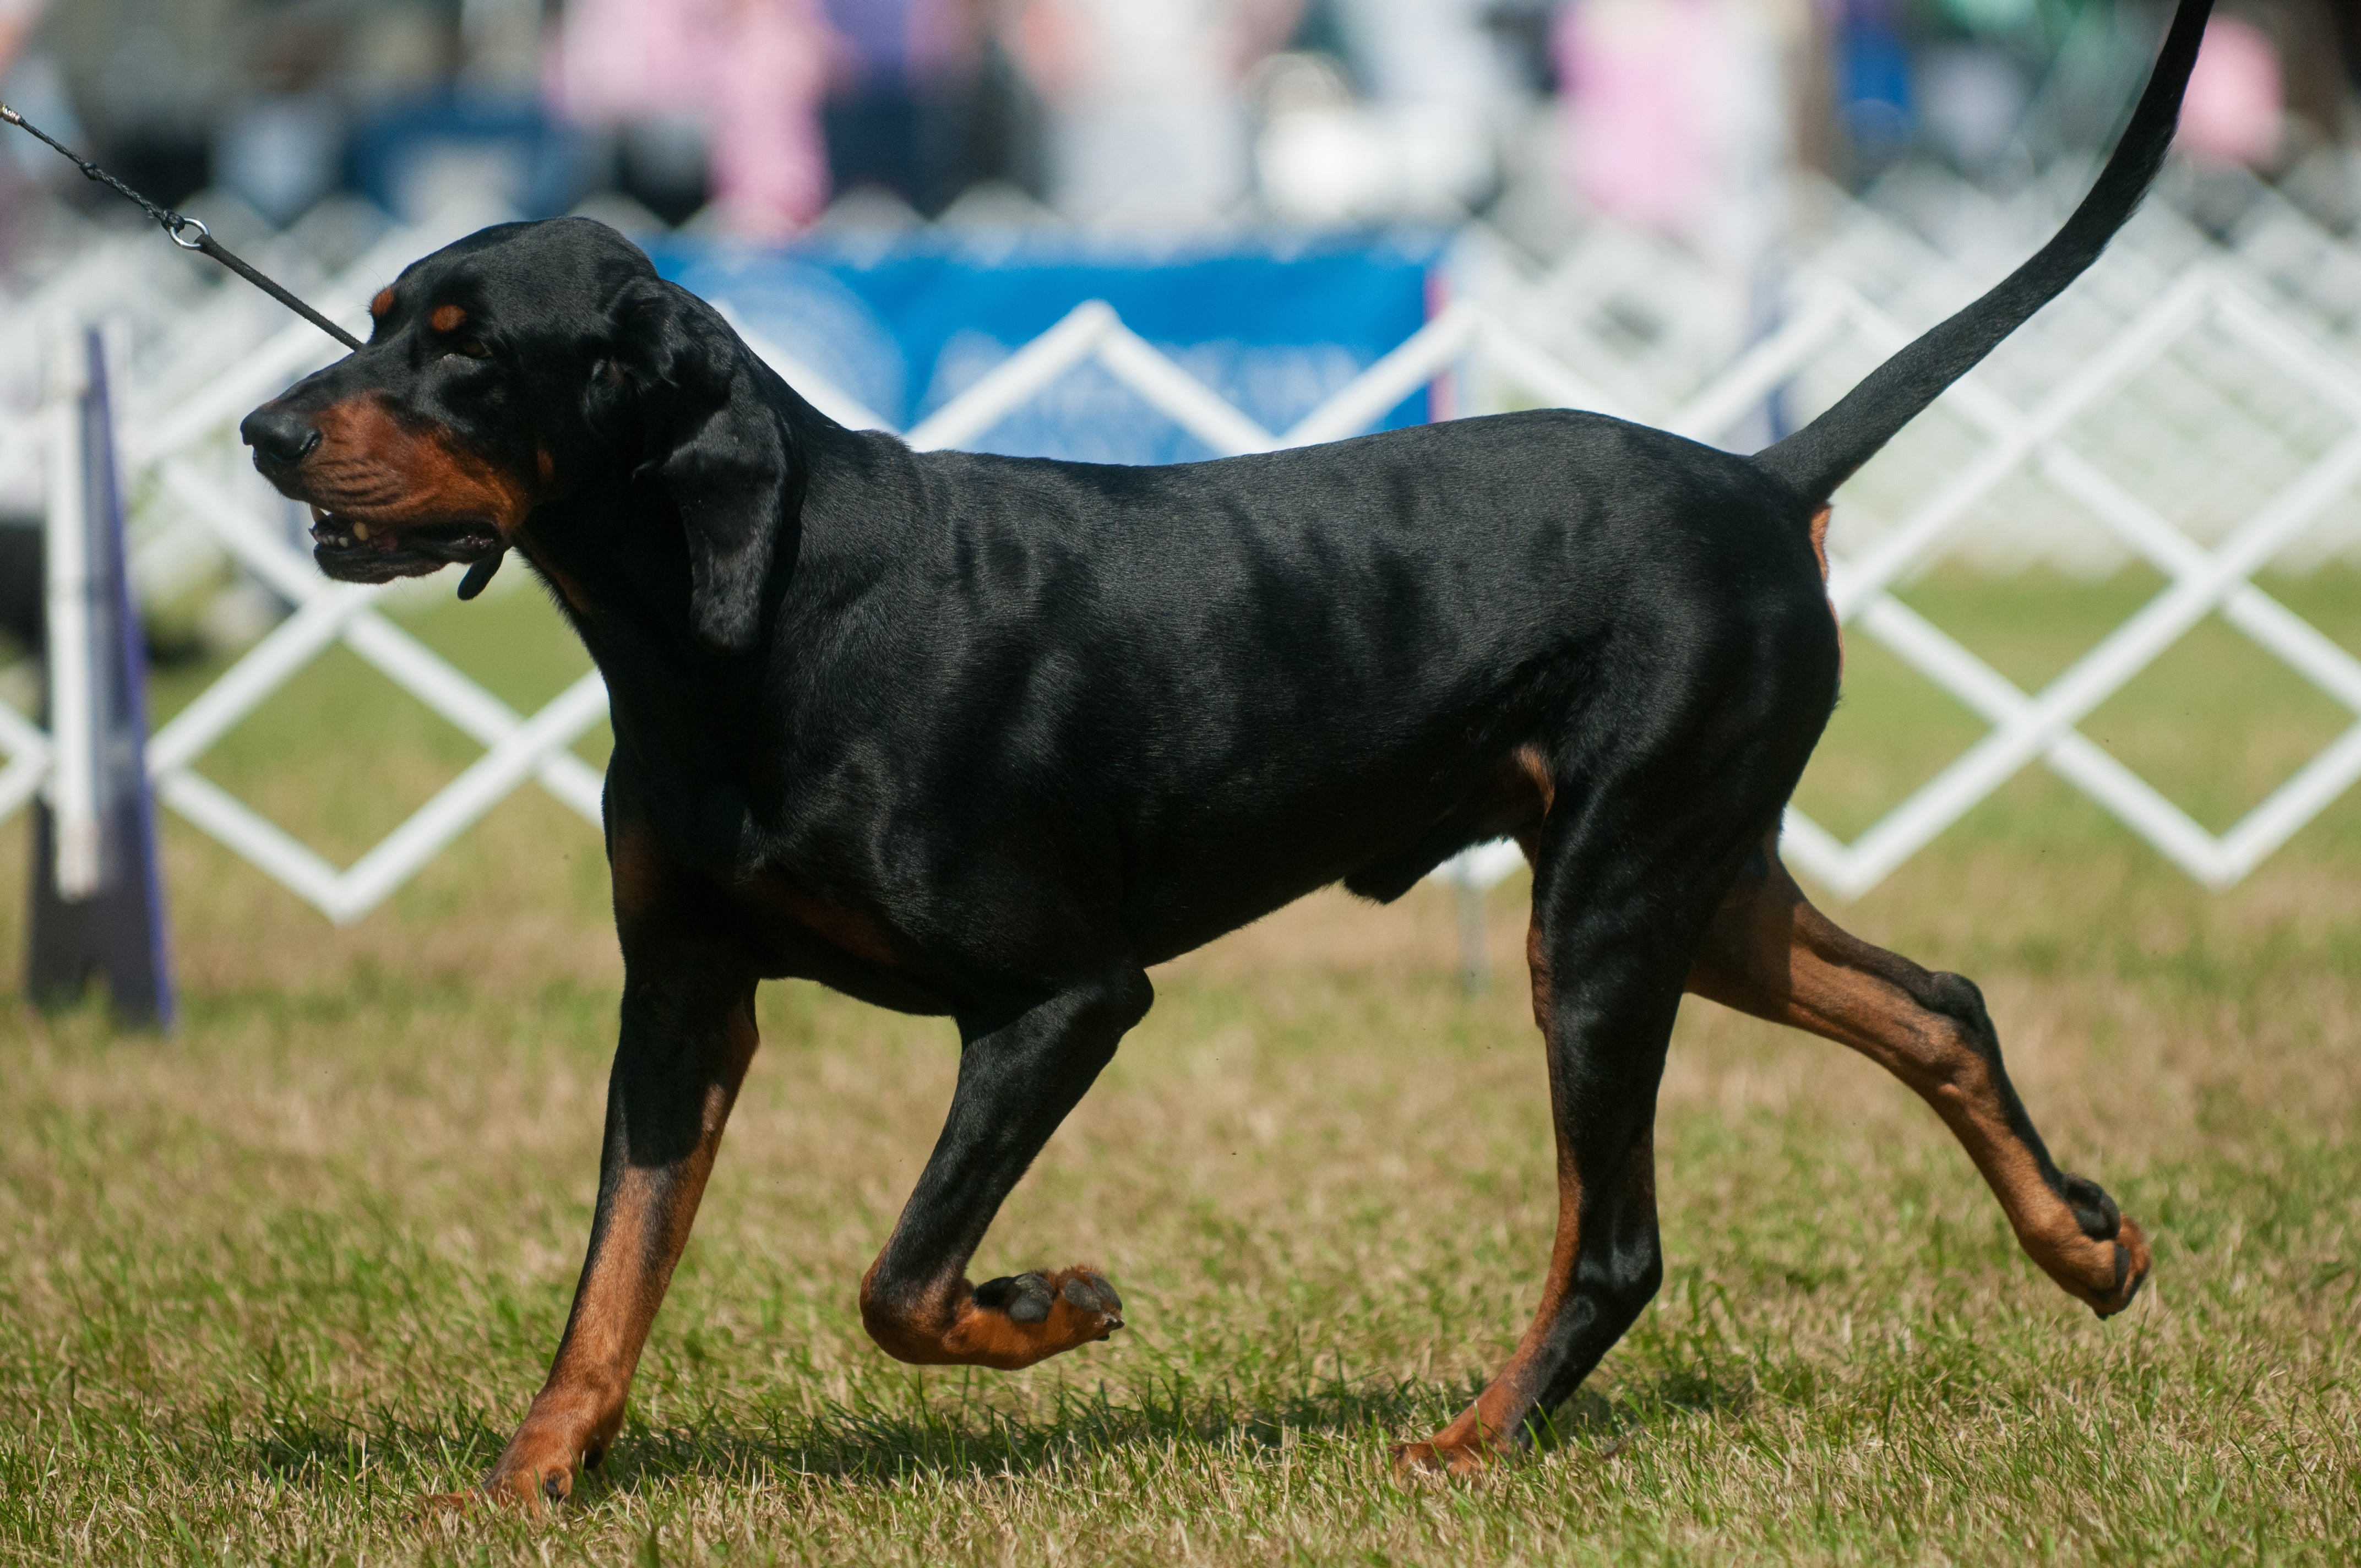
[{"x": 800, "y": 933}]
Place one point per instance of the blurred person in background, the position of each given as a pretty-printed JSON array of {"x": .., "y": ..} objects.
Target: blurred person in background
[
  {"x": 2346, "y": 19},
  {"x": 2271, "y": 82},
  {"x": 1678, "y": 114},
  {"x": 31, "y": 81},
  {"x": 280, "y": 147},
  {"x": 1679, "y": 118},
  {"x": 1395, "y": 108},
  {"x": 903, "y": 115},
  {"x": 2235, "y": 111},
  {"x": 1147, "y": 115},
  {"x": 1870, "y": 68},
  {"x": 748, "y": 75}
]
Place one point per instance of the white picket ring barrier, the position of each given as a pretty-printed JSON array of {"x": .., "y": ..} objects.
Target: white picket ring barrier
[{"x": 1490, "y": 340}]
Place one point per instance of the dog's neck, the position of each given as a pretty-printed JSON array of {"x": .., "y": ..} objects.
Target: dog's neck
[{"x": 613, "y": 554}]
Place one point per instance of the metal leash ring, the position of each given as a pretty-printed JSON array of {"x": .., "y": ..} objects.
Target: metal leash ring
[{"x": 177, "y": 226}]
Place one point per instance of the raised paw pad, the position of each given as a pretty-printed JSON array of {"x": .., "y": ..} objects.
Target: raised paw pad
[
  {"x": 1026, "y": 1298},
  {"x": 1092, "y": 1294},
  {"x": 2094, "y": 1212}
]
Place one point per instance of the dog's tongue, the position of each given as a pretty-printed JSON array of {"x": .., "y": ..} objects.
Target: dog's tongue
[{"x": 480, "y": 573}]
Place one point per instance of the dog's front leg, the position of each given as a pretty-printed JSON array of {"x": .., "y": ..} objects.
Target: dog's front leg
[
  {"x": 1018, "y": 1077},
  {"x": 687, "y": 1037}
]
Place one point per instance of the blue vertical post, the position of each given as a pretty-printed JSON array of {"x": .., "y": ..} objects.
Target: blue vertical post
[{"x": 98, "y": 892}]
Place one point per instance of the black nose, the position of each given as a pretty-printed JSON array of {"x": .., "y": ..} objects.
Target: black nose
[{"x": 279, "y": 434}]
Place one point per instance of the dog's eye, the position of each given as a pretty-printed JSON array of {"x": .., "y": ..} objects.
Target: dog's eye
[{"x": 472, "y": 347}]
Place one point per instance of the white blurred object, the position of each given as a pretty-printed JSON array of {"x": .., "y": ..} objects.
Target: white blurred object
[
  {"x": 238, "y": 617},
  {"x": 278, "y": 153},
  {"x": 1148, "y": 126},
  {"x": 1354, "y": 163},
  {"x": 1971, "y": 98},
  {"x": 451, "y": 171},
  {"x": 1434, "y": 52},
  {"x": 1439, "y": 98},
  {"x": 65, "y": 559}
]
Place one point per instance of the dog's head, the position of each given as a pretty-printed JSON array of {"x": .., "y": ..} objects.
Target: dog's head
[{"x": 518, "y": 364}]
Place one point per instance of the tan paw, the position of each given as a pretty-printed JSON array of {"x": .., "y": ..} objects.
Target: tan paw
[
  {"x": 1444, "y": 1456},
  {"x": 536, "y": 1475},
  {"x": 2103, "y": 1260},
  {"x": 2131, "y": 1271},
  {"x": 1017, "y": 1320}
]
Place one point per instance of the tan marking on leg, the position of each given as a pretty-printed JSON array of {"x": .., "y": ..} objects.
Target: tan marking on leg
[
  {"x": 1485, "y": 1431},
  {"x": 850, "y": 931},
  {"x": 1821, "y": 554},
  {"x": 1769, "y": 953},
  {"x": 1535, "y": 767},
  {"x": 1528, "y": 761},
  {"x": 637, "y": 867},
  {"x": 645, "y": 1226}
]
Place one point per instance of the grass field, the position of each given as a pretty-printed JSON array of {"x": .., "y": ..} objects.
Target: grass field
[{"x": 263, "y": 1284}]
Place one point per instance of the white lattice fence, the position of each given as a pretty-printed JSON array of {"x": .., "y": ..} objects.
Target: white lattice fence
[
  {"x": 177, "y": 448},
  {"x": 1478, "y": 343},
  {"x": 2041, "y": 726}
]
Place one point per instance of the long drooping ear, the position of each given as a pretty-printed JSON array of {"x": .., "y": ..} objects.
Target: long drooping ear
[{"x": 721, "y": 448}]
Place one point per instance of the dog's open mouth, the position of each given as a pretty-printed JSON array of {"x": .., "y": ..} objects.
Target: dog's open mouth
[{"x": 354, "y": 550}]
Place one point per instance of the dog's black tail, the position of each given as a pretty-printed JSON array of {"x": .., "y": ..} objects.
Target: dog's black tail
[{"x": 1818, "y": 458}]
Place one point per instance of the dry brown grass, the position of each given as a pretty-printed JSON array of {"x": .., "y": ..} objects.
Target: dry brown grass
[{"x": 267, "y": 1281}]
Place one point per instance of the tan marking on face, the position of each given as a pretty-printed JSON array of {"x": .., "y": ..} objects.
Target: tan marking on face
[
  {"x": 545, "y": 465},
  {"x": 383, "y": 303},
  {"x": 451, "y": 318},
  {"x": 390, "y": 473}
]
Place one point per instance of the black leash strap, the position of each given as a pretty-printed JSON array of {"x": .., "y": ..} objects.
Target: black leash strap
[{"x": 180, "y": 226}]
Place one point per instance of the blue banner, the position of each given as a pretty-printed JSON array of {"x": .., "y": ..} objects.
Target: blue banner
[{"x": 907, "y": 328}]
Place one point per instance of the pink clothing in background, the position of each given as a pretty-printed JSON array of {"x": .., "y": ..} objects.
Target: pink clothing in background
[
  {"x": 2236, "y": 102},
  {"x": 1639, "y": 116},
  {"x": 751, "y": 71}
]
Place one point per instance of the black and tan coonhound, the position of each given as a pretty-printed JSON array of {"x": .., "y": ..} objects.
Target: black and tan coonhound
[{"x": 987, "y": 737}]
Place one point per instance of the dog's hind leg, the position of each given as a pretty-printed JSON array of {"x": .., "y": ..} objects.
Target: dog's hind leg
[
  {"x": 1019, "y": 1075},
  {"x": 687, "y": 1037},
  {"x": 1629, "y": 863},
  {"x": 1769, "y": 953}
]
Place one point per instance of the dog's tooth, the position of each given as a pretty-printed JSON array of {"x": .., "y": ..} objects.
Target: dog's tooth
[
  {"x": 360, "y": 531},
  {"x": 318, "y": 514}
]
